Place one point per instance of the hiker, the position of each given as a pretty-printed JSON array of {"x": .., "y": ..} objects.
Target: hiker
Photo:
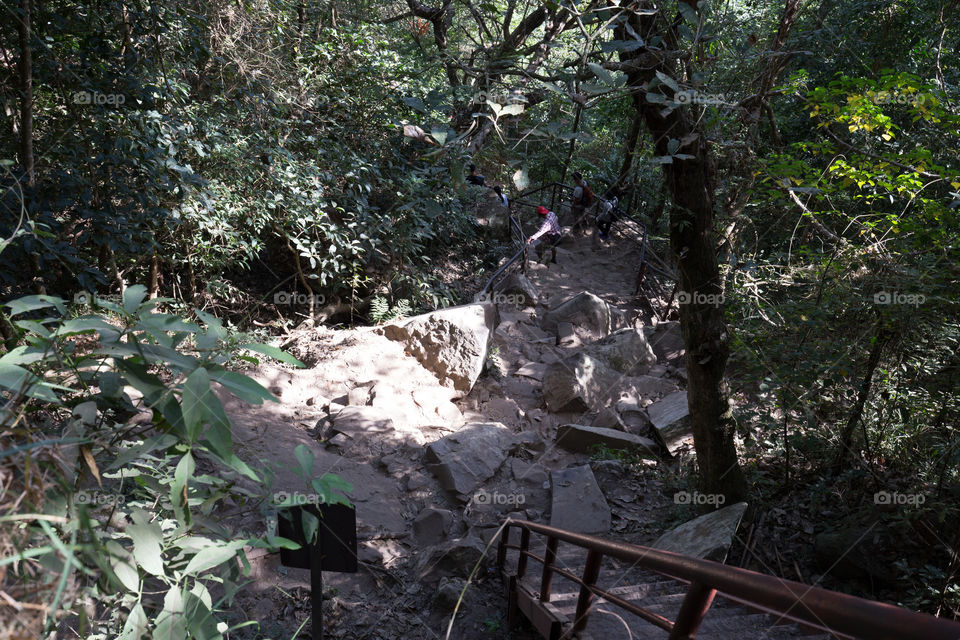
[
  {"x": 609, "y": 211},
  {"x": 550, "y": 228},
  {"x": 503, "y": 198},
  {"x": 473, "y": 178},
  {"x": 582, "y": 198}
]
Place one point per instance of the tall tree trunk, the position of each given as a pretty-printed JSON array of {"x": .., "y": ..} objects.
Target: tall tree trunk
[
  {"x": 629, "y": 148},
  {"x": 705, "y": 333},
  {"x": 26, "y": 89}
]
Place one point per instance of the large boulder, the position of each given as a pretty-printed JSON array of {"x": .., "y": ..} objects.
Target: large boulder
[
  {"x": 464, "y": 460},
  {"x": 590, "y": 314},
  {"x": 626, "y": 351},
  {"x": 579, "y": 383},
  {"x": 516, "y": 289},
  {"x": 578, "y": 504},
  {"x": 451, "y": 343}
]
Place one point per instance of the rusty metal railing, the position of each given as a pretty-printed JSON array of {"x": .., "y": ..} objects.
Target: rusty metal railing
[{"x": 837, "y": 613}]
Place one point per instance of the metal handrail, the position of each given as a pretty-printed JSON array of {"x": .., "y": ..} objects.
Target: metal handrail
[
  {"x": 836, "y": 613},
  {"x": 515, "y": 258}
]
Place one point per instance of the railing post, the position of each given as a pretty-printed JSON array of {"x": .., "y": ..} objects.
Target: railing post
[
  {"x": 524, "y": 547},
  {"x": 590, "y": 573},
  {"x": 546, "y": 580},
  {"x": 502, "y": 546},
  {"x": 692, "y": 611}
]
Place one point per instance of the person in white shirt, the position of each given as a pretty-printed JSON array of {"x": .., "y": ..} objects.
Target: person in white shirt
[{"x": 549, "y": 228}]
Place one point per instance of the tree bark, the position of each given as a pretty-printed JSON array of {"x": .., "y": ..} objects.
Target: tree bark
[
  {"x": 705, "y": 333},
  {"x": 26, "y": 89},
  {"x": 629, "y": 148}
]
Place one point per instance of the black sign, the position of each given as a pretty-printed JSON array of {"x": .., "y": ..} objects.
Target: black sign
[{"x": 336, "y": 539}]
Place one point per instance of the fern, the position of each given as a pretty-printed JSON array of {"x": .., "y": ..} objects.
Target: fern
[
  {"x": 401, "y": 309},
  {"x": 379, "y": 310}
]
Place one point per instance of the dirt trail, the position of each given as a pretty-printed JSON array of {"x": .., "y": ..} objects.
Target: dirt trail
[{"x": 405, "y": 582}]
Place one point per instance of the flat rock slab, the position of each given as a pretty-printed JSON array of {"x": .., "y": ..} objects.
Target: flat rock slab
[
  {"x": 532, "y": 370},
  {"x": 651, "y": 388},
  {"x": 361, "y": 420},
  {"x": 578, "y": 504},
  {"x": 708, "y": 537},
  {"x": 671, "y": 420},
  {"x": 582, "y": 439},
  {"x": 462, "y": 461}
]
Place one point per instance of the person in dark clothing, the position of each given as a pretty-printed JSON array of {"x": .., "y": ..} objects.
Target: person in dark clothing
[
  {"x": 473, "y": 178},
  {"x": 582, "y": 198},
  {"x": 608, "y": 211},
  {"x": 503, "y": 198},
  {"x": 551, "y": 229}
]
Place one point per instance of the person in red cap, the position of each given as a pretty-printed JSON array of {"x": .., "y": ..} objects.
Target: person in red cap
[{"x": 549, "y": 228}]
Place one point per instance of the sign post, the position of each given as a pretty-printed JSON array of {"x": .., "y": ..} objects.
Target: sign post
[{"x": 335, "y": 548}]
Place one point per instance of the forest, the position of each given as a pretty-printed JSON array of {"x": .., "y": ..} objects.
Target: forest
[{"x": 192, "y": 190}]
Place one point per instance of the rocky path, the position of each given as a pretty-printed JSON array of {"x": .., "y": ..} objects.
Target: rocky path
[{"x": 441, "y": 442}]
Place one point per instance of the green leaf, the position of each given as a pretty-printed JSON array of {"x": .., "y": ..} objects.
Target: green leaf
[
  {"x": 655, "y": 98},
  {"x": 213, "y": 556},
  {"x": 512, "y": 110},
  {"x": 147, "y": 542},
  {"x": 171, "y": 624},
  {"x": 667, "y": 80},
  {"x": 32, "y": 303},
  {"x": 124, "y": 567},
  {"x": 136, "y": 625},
  {"x": 305, "y": 457},
  {"x": 83, "y": 325},
  {"x": 602, "y": 74},
  {"x": 329, "y": 485},
  {"x": 201, "y": 623},
  {"x": 132, "y": 297},
  {"x": 178, "y": 488},
  {"x": 273, "y": 352},
  {"x": 195, "y": 403},
  {"x": 243, "y": 387},
  {"x": 19, "y": 380},
  {"x": 310, "y": 524}
]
